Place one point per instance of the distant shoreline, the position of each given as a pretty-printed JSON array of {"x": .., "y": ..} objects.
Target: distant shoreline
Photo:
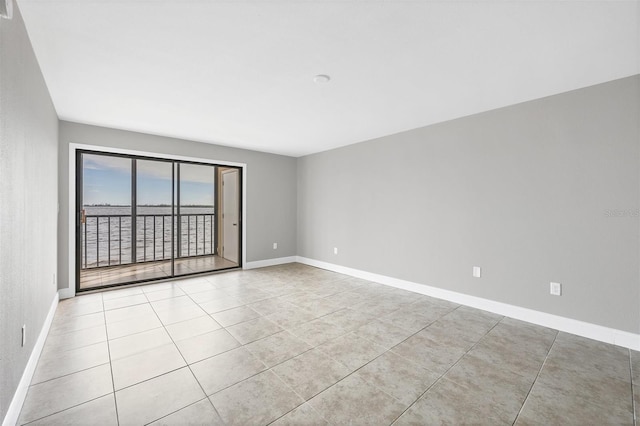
[{"x": 148, "y": 205}]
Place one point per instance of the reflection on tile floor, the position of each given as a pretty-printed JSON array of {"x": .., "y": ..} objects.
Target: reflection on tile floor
[
  {"x": 293, "y": 345},
  {"x": 111, "y": 275}
]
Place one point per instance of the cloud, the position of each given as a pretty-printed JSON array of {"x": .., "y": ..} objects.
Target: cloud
[
  {"x": 106, "y": 162},
  {"x": 149, "y": 169}
]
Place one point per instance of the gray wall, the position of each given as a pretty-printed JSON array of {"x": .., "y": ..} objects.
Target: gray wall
[
  {"x": 271, "y": 186},
  {"x": 28, "y": 200},
  {"x": 523, "y": 191}
]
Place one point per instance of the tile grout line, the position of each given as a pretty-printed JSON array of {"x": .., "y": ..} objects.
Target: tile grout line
[
  {"x": 319, "y": 317},
  {"x": 61, "y": 350},
  {"x": 66, "y": 409},
  {"x": 104, "y": 324},
  {"x": 137, "y": 332},
  {"x": 305, "y": 401},
  {"x": 294, "y": 391},
  {"x": 113, "y": 383},
  {"x": 186, "y": 364},
  {"x": 320, "y": 415},
  {"x": 145, "y": 331},
  {"x": 65, "y": 375},
  {"x": 423, "y": 328},
  {"x": 365, "y": 364},
  {"x": 448, "y": 369},
  {"x": 255, "y": 374},
  {"x": 268, "y": 368},
  {"x": 327, "y": 355},
  {"x": 173, "y": 412},
  {"x": 70, "y": 374},
  {"x": 536, "y": 378},
  {"x": 224, "y": 310}
]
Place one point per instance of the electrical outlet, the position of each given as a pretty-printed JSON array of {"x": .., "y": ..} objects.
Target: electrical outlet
[
  {"x": 24, "y": 334},
  {"x": 555, "y": 289},
  {"x": 477, "y": 272},
  {"x": 275, "y": 246},
  {"x": 335, "y": 250}
]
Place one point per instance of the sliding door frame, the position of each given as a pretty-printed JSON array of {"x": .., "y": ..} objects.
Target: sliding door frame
[{"x": 74, "y": 149}]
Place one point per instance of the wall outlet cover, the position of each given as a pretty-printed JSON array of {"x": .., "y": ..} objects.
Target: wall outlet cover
[{"x": 555, "y": 289}]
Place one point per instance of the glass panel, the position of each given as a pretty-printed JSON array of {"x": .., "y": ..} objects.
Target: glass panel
[
  {"x": 148, "y": 219},
  {"x": 154, "y": 222},
  {"x": 105, "y": 228},
  {"x": 197, "y": 235}
]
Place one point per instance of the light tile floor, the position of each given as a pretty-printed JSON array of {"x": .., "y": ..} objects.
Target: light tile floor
[{"x": 296, "y": 345}]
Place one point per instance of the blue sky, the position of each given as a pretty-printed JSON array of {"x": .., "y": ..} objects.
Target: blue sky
[{"x": 107, "y": 180}]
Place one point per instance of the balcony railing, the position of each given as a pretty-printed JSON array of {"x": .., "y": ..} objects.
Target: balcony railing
[{"x": 106, "y": 239}]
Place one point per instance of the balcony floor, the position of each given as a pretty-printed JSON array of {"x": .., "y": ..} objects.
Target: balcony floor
[{"x": 97, "y": 277}]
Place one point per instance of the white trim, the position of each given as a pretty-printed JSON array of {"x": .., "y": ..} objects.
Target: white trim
[
  {"x": 64, "y": 293},
  {"x": 21, "y": 392},
  {"x": 70, "y": 291},
  {"x": 569, "y": 325},
  {"x": 269, "y": 262},
  {"x": 221, "y": 218}
]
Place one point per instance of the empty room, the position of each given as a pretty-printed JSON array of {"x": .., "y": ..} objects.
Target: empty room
[{"x": 305, "y": 212}]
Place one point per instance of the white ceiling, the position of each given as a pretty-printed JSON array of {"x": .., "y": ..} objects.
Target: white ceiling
[{"x": 240, "y": 73}]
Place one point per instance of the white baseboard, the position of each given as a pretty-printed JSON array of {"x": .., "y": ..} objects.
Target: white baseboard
[
  {"x": 569, "y": 325},
  {"x": 21, "y": 392},
  {"x": 269, "y": 262},
  {"x": 66, "y": 293}
]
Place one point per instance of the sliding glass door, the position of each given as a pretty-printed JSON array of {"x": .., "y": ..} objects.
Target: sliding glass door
[
  {"x": 153, "y": 201},
  {"x": 143, "y": 219},
  {"x": 196, "y": 206}
]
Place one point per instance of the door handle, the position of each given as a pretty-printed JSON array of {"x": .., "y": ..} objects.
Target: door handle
[
  {"x": 83, "y": 216},
  {"x": 235, "y": 224}
]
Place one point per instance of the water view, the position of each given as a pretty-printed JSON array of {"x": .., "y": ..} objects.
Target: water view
[{"x": 106, "y": 234}]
